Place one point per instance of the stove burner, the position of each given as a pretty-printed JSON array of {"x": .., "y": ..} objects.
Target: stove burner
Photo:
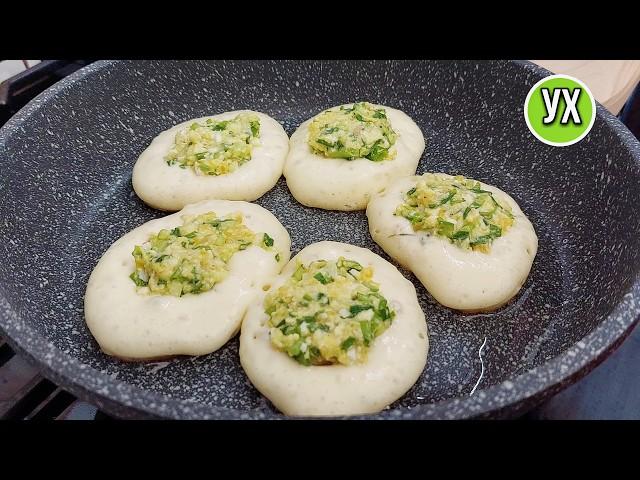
[{"x": 17, "y": 91}]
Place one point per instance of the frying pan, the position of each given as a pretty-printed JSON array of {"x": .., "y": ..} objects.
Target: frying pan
[{"x": 65, "y": 196}]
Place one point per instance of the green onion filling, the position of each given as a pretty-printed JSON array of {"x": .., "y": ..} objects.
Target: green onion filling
[
  {"x": 359, "y": 131},
  {"x": 216, "y": 147},
  {"x": 328, "y": 312},
  {"x": 458, "y": 209},
  {"x": 193, "y": 257}
]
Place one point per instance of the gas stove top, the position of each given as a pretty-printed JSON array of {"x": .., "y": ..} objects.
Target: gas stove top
[{"x": 611, "y": 391}]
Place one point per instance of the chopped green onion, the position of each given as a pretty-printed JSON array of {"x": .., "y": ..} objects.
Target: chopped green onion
[
  {"x": 445, "y": 228},
  {"x": 137, "y": 280},
  {"x": 297, "y": 275},
  {"x": 495, "y": 231},
  {"x": 255, "y": 128},
  {"x": 481, "y": 240},
  {"x": 367, "y": 332},
  {"x": 267, "y": 240},
  {"x": 325, "y": 143},
  {"x": 460, "y": 235},
  {"x": 378, "y": 152},
  {"x": 323, "y": 279},
  {"x": 350, "y": 265},
  {"x": 356, "y": 309},
  {"x": 446, "y": 199},
  {"x": 220, "y": 125},
  {"x": 348, "y": 343}
]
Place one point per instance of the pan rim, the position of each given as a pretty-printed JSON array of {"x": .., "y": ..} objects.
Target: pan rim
[{"x": 507, "y": 396}]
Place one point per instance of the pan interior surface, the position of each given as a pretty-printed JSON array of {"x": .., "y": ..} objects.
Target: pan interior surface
[{"x": 66, "y": 195}]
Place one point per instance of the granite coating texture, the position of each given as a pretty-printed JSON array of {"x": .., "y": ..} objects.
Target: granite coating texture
[{"x": 65, "y": 196}]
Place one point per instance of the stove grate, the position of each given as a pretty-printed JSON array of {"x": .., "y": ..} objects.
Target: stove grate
[{"x": 27, "y": 395}]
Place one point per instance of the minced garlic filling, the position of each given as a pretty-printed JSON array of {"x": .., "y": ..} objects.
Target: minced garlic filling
[
  {"x": 456, "y": 208},
  {"x": 360, "y": 131},
  {"x": 193, "y": 257},
  {"x": 328, "y": 312},
  {"x": 216, "y": 147}
]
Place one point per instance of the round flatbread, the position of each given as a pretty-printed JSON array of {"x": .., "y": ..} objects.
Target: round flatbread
[
  {"x": 395, "y": 359},
  {"x": 459, "y": 278},
  {"x": 130, "y": 323},
  {"x": 339, "y": 184},
  {"x": 170, "y": 187}
]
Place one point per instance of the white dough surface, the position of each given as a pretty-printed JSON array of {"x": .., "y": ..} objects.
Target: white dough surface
[
  {"x": 396, "y": 358},
  {"x": 136, "y": 326},
  {"x": 171, "y": 188},
  {"x": 460, "y": 279},
  {"x": 339, "y": 184}
]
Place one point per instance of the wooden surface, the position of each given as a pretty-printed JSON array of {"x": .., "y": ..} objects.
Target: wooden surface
[{"x": 610, "y": 81}]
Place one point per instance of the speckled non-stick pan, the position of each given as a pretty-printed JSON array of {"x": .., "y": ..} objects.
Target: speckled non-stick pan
[{"x": 66, "y": 195}]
